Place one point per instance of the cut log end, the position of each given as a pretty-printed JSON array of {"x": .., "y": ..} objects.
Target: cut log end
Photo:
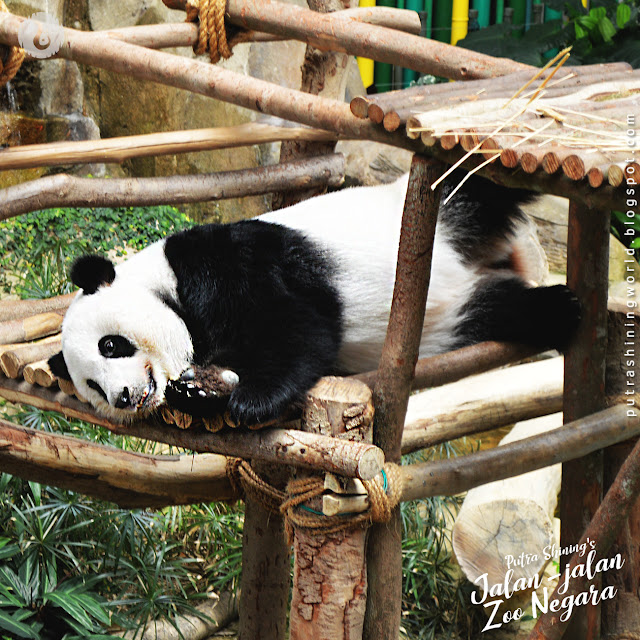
[
  {"x": 359, "y": 107},
  {"x": 487, "y": 536}
]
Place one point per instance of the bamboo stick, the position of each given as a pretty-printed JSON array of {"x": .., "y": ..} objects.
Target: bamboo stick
[
  {"x": 123, "y": 148},
  {"x": 128, "y": 479},
  {"x": 569, "y": 442},
  {"x": 283, "y": 446},
  {"x": 332, "y": 32},
  {"x": 63, "y": 189},
  {"x": 20, "y": 309},
  {"x": 31, "y": 328},
  {"x": 14, "y": 357}
]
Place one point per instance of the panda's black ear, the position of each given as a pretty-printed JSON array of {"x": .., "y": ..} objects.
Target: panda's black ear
[
  {"x": 58, "y": 366},
  {"x": 90, "y": 272}
]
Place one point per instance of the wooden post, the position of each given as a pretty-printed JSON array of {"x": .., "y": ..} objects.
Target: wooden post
[
  {"x": 622, "y": 614},
  {"x": 323, "y": 74},
  {"x": 391, "y": 391},
  {"x": 329, "y": 575},
  {"x": 587, "y": 270},
  {"x": 264, "y": 587},
  {"x": 604, "y": 527}
]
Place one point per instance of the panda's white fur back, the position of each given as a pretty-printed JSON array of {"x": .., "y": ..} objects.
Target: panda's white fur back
[{"x": 366, "y": 249}]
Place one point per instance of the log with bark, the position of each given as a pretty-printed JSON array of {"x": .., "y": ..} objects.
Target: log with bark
[
  {"x": 128, "y": 479},
  {"x": 329, "y": 576},
  {"x": 500, "y": 521},
  {"x": 284, "y": 446},
  {"x": 67, "y": 190},
  {"x": 332, "y": 32},
  {"x": 486, "y": 401}
]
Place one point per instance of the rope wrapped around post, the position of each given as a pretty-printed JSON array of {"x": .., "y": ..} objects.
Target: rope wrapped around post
[
  {"x": 15, "y": 58},
  {"x": 384, "y": 493},
  {"x": 212, "y": 34}
]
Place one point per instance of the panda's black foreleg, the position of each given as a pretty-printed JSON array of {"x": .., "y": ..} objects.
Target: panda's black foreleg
[{"x": 504, "y": 308}]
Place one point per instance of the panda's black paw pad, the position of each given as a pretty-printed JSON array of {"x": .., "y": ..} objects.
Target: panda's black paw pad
[{"x": 201, "y": 392}]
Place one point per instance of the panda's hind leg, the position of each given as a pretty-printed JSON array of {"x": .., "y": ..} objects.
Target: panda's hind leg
[{"x": 504, "y": 308}]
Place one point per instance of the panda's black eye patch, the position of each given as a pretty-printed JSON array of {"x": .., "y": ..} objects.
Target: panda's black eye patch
[
  {"x": 116, "y": 347},
  {"x": 92, "y": 384}
]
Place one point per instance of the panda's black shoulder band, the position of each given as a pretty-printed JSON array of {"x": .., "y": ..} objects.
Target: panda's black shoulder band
[{"x": 91, "y": 272}]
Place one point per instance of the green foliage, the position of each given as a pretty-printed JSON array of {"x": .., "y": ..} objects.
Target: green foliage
[
  {"x": 620, "y": 228},
  {"x": 89, "y": 564},
  {"x": 609, "y": 31},
  {"x": 36, "y": 248},
  {"x": 436, "y": 597}
]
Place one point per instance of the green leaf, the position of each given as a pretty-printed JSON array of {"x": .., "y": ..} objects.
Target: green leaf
[
  {"x": 580, "y": 32},
  {"x": 623, "y": 14},
  {"x": 69, "y": 603},
  {"x": 607, "y": 30},
  {"x": 13, "y": 624}
]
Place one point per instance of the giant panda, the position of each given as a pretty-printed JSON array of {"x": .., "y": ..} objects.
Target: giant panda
[{"x": 297, "y": 294}]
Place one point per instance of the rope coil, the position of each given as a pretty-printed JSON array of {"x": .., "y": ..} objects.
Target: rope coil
[
  {"x": 212, "y": 34},
  {"x": 384, "y": 493},
  {"x": 12, "y": 64}
]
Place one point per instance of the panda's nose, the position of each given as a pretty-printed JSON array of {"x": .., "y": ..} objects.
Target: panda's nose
[{"x": 124, "y": 399}]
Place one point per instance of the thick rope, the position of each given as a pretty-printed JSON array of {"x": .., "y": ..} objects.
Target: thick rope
[
  {"x": 247, "y": 482},
  {"x": 384, "y": 492},
  {"x": 10, "y": 67},
  {"x": 212, "y": 35}
]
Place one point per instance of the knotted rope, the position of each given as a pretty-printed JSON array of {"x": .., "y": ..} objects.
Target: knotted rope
[
  {"x": 10, "y": 67},
  {"x": 212, "y": 34},
  {"x": 384, "y": 493}
]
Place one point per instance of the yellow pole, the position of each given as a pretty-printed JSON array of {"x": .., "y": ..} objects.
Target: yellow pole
[
  {"x": 365, "y": 64},
  {"x": 459, "y": 20}
]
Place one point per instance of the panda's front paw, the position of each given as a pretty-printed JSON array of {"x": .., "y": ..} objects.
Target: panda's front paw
[
  {"x": 249, "y": 408},
  {"x": 201, "y": 392}
]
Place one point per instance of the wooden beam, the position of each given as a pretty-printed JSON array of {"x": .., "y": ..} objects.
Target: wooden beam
[
  {"x": 479, "y": 403},
  {"x": 332, "y": 32},
  {"x": 128, "y": 479},
  {"x": 605, "y": 525},
  {"x": 124, "y": 148},
  {"x": 283, "y": 446},
  {"x": 185, "y": 34},
  {"x": 570, "y": 442},
  {"x": 210, "y": 80},
  {"x": 67, "y": 190}
]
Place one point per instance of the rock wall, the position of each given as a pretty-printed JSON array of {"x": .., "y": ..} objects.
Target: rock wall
[{"x": 60, "y": 100}]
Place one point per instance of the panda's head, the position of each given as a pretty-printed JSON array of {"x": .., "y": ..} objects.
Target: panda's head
[{"x": 121, "y": 342}]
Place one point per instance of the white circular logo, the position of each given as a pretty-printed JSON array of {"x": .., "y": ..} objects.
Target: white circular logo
[{"x": 41, "y": 36}]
